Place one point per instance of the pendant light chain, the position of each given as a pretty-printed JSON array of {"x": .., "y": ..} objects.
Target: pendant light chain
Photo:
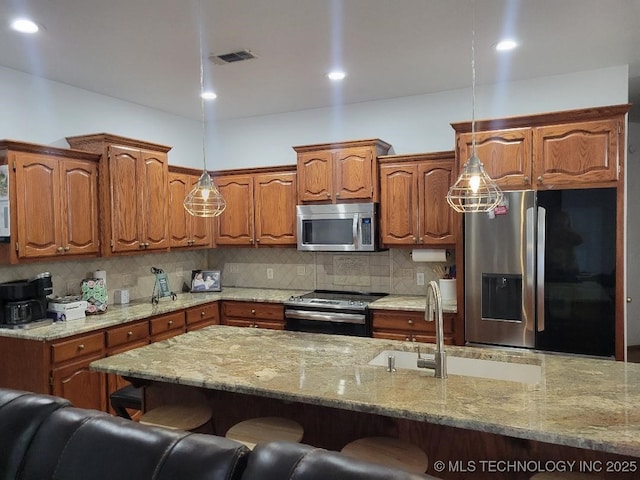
[
  {"x": 205, "y": 200},
  {"x": 474, "y": 191}
]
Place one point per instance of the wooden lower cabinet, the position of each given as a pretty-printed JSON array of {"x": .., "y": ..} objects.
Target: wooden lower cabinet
[
  {"x": 61, "y": 367},
  {"x": 253, "y": 314},
  {"x": 166, "y": 326},
  {"x": 70, "y": 375},
  {"x": 411, "y": 326},
  {"x": 82, "y": 387},
  {"x": 202, "y": 316}
]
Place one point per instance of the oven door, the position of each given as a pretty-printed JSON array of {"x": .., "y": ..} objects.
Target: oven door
[{"x": 327, "y": 321}]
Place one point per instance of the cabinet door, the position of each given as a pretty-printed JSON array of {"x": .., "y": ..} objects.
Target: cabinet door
[
  {"x": 353, "y": 168},
  {"x": 235, "y": 225},
  {"x": 179, "y": 187},
  {"x": 154, "y": 208},
  {"x": 436, "y": 216},
  {"x": 81, "y": 386},
  {"x": 79, "y": 207},
  {"x": 399, "y": 204},
  {"x": 315, "y": 176},
  {"x": 37, "y": 196},
  {"x": 584, "y": 153},
  {"x": 126, "y": 218},
  {"x": 275, "y": 208},
  {"x": 200, "y": 228},
  {"x": 505, "y": 154}
]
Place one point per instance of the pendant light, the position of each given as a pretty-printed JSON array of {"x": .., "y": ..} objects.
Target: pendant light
[
  {"x": 474, "y": 191},
  {"x": 205, "y": 200}
]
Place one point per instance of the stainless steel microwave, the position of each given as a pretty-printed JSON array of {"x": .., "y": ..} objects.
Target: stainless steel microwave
[{"x": 344, "y": 227}]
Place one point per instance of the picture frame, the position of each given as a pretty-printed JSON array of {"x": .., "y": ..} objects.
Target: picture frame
[{"x": 205, "y": 281}]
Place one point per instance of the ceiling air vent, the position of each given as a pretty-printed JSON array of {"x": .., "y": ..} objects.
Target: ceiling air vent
[{"x": 232, "y": 57}]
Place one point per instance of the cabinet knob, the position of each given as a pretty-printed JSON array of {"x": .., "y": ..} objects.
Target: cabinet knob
[
  {"x": 337, "y": 194},
  {"x": 540, "y": 179},
  {"x": 81, "y": 346},
  {"x": 257, "y": 240},
  {"x": 202, "y": 314},
  {"x": 421, "y": 239},
  {"x": 141, "y": 245},
  {"x": 251, "y": 240},
  {"x": 170, "y": 322},
  {"x": 415, "y": 239},
  {"x": 413, "y": 338},
  {"x": 60, "y": 249},
  {"x": 253, "y": 312},
  {"x": 629, "y": 300},
  {"x": 255, "y": 325},
  {"x": 525, "y": 179},
  {"x": 328, "y": 195},
  {"x": 67, "y": 248},
  {"x": 129, "y": 333},
  {"x": 410, "y": 322},
  {"x": 406, "y": 339}
]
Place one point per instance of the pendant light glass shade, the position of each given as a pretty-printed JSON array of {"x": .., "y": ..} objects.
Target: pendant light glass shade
[
  {"x": 205, "y": 200},
  {"x": 474, "y": 191}
]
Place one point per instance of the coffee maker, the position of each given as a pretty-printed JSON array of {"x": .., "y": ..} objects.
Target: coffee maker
[{"x": 23, "y": 303}]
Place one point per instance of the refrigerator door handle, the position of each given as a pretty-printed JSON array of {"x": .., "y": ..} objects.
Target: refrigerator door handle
[{"x": 542, "y": 234}]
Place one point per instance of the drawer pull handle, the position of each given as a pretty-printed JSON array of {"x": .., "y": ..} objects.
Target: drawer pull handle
[{"x": 81, "y": 346}]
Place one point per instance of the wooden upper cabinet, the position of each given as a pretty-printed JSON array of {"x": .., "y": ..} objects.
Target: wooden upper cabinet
[
  {"x": 275, "y": 208},
  {"x": 581, "y": 152},
  {"x": 53, "y": 202},
  {"x": 339, "y": 172},
  {"x": 235, "y": 225},
  {"x": 569, "y": 149},
  {"x": 413, "y": 206},
  {"x": 186, "y": 230},
  {"x": 505, "y": 154},
  {"x": 261, "y": 208},
  {"x": 134, "y": 192}
]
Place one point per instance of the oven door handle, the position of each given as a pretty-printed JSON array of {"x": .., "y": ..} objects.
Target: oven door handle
[{"x": 326, "y": 317}]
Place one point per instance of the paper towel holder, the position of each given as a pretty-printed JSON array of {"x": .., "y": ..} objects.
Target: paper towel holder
[{"x": 430, "y": 255}]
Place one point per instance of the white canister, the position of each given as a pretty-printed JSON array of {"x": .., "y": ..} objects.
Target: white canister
[{"x": 448, "y": 291}]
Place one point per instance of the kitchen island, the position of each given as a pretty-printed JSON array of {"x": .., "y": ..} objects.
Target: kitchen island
[{"x": 581, "y": 409}]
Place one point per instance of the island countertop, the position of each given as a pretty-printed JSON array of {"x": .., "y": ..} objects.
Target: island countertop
[{"x": 580, "y": 402}]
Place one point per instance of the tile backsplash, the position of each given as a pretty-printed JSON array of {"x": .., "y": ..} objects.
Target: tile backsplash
[{"x": 390, "y": 271}]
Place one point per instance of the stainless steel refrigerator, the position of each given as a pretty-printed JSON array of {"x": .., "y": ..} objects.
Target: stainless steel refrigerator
[{"x": 540, "y": 272}]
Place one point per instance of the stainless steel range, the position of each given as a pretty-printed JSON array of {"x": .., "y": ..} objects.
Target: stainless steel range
[{"x": 334, "y": 312}]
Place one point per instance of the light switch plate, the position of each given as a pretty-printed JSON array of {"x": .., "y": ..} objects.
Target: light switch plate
[
  {"x": 270, "y": 273},
  {"x": 420, "y": 278}
]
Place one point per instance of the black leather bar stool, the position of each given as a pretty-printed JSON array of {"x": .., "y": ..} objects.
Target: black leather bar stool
[{"x": 128, "y": 397}]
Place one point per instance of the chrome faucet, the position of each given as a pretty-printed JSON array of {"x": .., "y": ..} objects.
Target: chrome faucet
[{"x": 433, "y": 311}]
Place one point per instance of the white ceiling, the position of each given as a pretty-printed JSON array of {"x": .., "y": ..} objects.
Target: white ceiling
[{"x": 147, "y": 51}]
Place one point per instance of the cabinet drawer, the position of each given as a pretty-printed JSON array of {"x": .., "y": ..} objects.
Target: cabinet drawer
[
  {"x": 131, "y": 333},
  {"x": 165, "y": 323},
  {"x": 209, "y": 311},
  {"x": 249, "y": 310},
  {"x": 410, "y": 322},
  {"x": 76, "y": 348}
]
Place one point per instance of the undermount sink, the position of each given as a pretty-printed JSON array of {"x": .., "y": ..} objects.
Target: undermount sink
[{"x": 470, "y": 367}]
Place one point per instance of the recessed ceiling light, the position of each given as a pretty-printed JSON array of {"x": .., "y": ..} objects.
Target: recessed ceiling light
[
  {"x": 336, "y": 75},
  {"x": 24, "y": 25},
  {"x": 209, "y": 95},
  {"x": 505, "y": 45}
]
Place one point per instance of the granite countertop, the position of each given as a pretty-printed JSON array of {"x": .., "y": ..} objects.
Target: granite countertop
[
  {"x": 580, "y": 402},
  {"x": 137, "y": 310}
]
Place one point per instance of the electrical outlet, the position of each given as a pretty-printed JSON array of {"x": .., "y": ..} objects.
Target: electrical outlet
[
  {"x": 301, "y": 270},
  {"x": 420, "y": 278},
  {"x": 270, "y": 273}
]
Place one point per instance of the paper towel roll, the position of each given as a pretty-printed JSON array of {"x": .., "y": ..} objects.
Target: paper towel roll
[{"x": 429, "y": 255}]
